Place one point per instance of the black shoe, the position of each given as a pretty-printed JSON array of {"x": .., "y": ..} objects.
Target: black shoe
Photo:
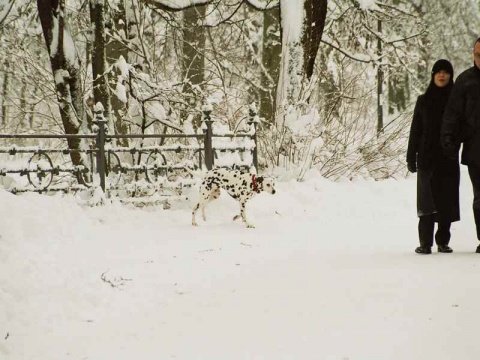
[
  {"x": 478, "y": 249},
  {"x": 446, "y": 249},
  {"x": 423, "y": 250}
]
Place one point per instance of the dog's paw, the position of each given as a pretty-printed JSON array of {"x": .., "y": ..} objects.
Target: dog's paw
[
  {"x": 194, "y": 223},
  {"x": 250, "y": 226}
]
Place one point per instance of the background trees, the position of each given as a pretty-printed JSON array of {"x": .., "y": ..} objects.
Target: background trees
[{"x": 334, "y": 82}]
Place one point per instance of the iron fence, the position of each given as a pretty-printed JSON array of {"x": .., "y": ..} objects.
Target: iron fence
[{"x": 105, "y": 164}]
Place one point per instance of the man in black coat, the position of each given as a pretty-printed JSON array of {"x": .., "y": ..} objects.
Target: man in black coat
[{"x": 461, "y": 124}]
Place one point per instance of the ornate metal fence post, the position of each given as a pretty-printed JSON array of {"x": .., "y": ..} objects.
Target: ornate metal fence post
[
  {"x": 100, "y": 142},
  {"x": 207, "y": 130},
  {"x": 253, "y": 120}
]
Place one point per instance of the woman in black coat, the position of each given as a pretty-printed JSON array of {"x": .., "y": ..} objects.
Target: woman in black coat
[{"x": 438, "y": 177}]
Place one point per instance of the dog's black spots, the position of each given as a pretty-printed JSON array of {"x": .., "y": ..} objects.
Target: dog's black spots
[{"x": 235, "y": 196}]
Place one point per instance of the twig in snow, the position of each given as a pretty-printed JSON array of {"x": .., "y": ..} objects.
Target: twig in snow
[{"x": 116, "y": 282}]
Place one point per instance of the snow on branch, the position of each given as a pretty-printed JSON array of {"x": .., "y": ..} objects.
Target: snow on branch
[
  {"x": 263, "y": 4},
  {"x": 176, "y": 5}
]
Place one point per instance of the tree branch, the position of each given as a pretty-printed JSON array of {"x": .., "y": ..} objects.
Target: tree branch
[{"x": 170, "y": 5}]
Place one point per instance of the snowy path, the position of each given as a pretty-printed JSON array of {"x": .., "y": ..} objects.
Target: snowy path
[{"x": 328, "y": 273}]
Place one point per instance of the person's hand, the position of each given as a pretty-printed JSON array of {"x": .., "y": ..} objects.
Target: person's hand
[{"x": 412, "y": 167}]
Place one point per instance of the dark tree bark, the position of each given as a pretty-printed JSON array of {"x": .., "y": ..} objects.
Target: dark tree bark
[
  {"x": 271, "y": 57},
  {"x": 6, "y": 79},
  {"x": 116, "y": 49},
  {"x": 316, "y": 13},
  {"x": 167, "y": 5},
  {"x": 193, "y": 63},
  {"x": 99, "y": 62},
  {"x": 65, "y": 68}
]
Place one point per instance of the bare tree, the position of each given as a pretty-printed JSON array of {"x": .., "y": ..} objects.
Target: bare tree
[
  {"x": 315, "y": 15},
  {"x": 101, "y": 92},
  {"x": 193, "y": 59},
  {"x": 121, "y": 23},
  {"x": 271, "y": 57},
  {"x": 65, "y": 68},
  {"x": 6, "y": 78}
]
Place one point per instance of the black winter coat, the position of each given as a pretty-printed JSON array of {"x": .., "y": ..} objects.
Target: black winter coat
[
  {"x": 461, "y": 121},
  {"x": 438, "y": 176}
]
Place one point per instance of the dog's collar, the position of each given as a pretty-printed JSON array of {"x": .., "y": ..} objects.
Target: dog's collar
[{"x": 254, "y": 183}]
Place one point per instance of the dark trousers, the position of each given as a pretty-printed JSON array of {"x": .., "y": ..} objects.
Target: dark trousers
[
  {"x": 426, "y": 226},
  {"x": 474, "y": 172}
]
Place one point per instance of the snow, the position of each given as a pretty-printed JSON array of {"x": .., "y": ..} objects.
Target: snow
[
  {"x": 55, "y": 37},
  {"x": 328, "y": 273},
  {"x": 120, "y": 89},
  {"x": 263, "y": 4},
  {"x": 302, "y": 125},
  {"x": 293, "y": 14},
  {"x": 69, "y": 49},
  {"x": 367, "y": 4}
]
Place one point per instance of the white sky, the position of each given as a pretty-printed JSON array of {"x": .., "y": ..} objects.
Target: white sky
[{"x": 328, "y": 273}]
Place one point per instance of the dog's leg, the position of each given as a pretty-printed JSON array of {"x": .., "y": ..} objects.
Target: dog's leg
[
  {"x": 214, "y": 194},
  {"x": 244, "y": 215},
  {"x": 203, "y": 213},
  {"x": 194, "y": 222}
]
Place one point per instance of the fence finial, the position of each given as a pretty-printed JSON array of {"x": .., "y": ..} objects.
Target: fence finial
[
  {"x": 253, "y": 114},
  {"x": 206, "y": 111}
]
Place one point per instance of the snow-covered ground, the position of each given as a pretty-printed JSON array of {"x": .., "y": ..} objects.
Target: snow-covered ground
[{"x": 329, "y": 272}]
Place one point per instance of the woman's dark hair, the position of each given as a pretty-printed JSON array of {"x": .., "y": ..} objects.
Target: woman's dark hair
[{"x": 440, "y": 65}]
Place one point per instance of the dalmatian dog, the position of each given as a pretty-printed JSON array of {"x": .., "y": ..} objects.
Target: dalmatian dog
[{"x": 242, "y": 186}]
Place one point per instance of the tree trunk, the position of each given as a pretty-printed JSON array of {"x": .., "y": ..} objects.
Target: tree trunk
[
  {"x": 193, "y": 59},
  {"x": 65, "y": 68},
  {"x": 23, "y": 105},
  {"x": 291, "y": 67},
  {"x": 271, "y": 56},
  {"x": 99, "y": 62},
  {"x": 301, "y": 36},
  {"x": 380, "y": 96},
  {"x": 6, "y": 78},
  {"x": 115, "y": 50},
  {"x": 315, "y": 15}
]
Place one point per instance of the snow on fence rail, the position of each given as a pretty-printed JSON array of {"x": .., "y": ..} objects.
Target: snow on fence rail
[{"x": 133, "y": 170}]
